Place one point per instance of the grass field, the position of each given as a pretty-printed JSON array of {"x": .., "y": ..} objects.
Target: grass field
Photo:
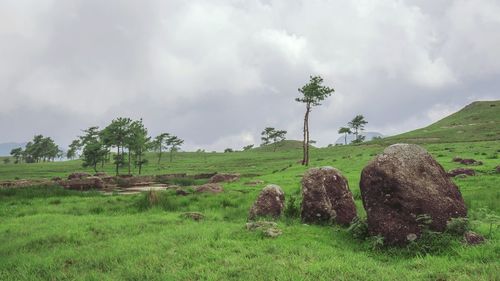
[{"x": 54, "y": 234}]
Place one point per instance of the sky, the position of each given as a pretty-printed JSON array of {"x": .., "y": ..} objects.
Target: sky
[{"x": 216, "y": 73}]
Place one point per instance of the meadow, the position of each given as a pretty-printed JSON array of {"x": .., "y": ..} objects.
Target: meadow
[{"x": 48, "y": 233}]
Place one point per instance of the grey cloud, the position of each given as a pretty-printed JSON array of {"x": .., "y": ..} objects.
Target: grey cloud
[{"x": 216, "y": 73}]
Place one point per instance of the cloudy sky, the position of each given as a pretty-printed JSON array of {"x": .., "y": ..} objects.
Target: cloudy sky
[{"x": 217, "y": 72}]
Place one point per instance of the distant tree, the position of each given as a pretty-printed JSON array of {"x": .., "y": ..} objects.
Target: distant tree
[
  {"x": 116, "y": 135},
  {"x": 346, "y": 131},
  {"x": 6, "y": 160},
  {"x": 360, "y": 139},
  {"x": 313, "y": 93},
  {"x": 174, "y": 143},
  {"x": 247, "y": 147},
  {"x": 93, "y": 148},
  {"x": 17, "y": 153},
  {"x": 228, "y": 150},
  {"x": 160, "y": 143},
  {"x": 272, "y": 136},
  {"x": 73, "y": 148},
  {"x": 358, "y": 124},
  {"x": 139, "y": 142}
]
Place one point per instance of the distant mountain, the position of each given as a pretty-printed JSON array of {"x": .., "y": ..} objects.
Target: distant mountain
[
  {"x": 478, "y": 121},
  {"x": 351, "y": 137},
  {"x": 5, "y": 148}
]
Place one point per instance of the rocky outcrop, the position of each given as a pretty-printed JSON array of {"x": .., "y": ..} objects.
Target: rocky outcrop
[
  {"x": 401, "y": 186},
  {"x": 83, "y": 183}
]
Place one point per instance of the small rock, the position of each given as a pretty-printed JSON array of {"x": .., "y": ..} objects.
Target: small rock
[
  {"x": 193, "y": 215},
  {"x": 497, "y": 168},
  {"x": 470, "y": 162},
  {"x": 472, "y": 238},
  {"x": 269, "y": 229},
  {"x": 210, "y": 187},
  {"x": 101, "y": 174},
  {"x": 224, "y": 178},
  {"x": 461, "y": 171},
  {"x": 457, "y": 159}
]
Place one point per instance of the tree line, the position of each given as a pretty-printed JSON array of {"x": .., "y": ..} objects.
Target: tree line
[
  {"x": 40, "y": 149},
  {"x": 125, "y": 142}
]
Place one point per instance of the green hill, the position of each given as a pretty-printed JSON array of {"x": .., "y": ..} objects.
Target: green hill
[
  {"x": 282, "y": 146},
  {"x": 478, "y": 121}
]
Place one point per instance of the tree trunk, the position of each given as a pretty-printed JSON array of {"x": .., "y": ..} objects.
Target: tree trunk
[
  {"x": 117, "y": 160},
  {"x": 159, "y": 156},
  {"x": 305, "y": 143},
  {"x": 129, "y": 160},
  {"x": 171, "y": 154},
  {"x": 345, "y": 139}
]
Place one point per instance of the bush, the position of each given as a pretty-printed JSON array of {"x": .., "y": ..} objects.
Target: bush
[{"x": 358, "y": 228}]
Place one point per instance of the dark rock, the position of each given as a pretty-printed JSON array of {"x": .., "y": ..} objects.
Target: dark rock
[
  {"x": 472, "y": 238},
  {"x": 224, "y": 178},
  {"x": 83, "y": 183},
  {"x": 497, "y": 169},
  {"x": 326, "y": 197},
  {"x": 470, "y": 162},
  {"x": 457, "y": 159},
  {"x": 400, "y": 186},
  {"x": 78, "y": 175},
  {"x": 269, "y": 203},
  {"x": 209, "y": 187},
  {"x": 461, "y": 171}
]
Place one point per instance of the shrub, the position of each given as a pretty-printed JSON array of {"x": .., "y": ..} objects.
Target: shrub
[
  {"x": 358, "y": 228},
  {"x": 457, "y": 226}
]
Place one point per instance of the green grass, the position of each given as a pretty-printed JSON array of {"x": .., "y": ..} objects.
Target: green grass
[
  {"x": 47, "y": 233},
  {"x": 478, "y": 121}
]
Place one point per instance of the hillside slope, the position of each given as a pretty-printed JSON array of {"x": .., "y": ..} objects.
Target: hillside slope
[{"x": 478, "y": 121}]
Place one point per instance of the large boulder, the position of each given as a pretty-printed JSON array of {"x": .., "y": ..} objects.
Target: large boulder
[
  {"x": 210, "y": 188},
  {"x": 326, "y": 197},
  {"x": 401, "y": 187},
  {"x": 269, "y": 203},
  {"x": 224, "y": 178},
  {"x": 78, "y": 175},
  {"x": 83, "y": 183}
]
